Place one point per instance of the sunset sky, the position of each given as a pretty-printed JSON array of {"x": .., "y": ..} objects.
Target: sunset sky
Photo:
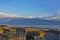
[{"x": 30, "y": 7}]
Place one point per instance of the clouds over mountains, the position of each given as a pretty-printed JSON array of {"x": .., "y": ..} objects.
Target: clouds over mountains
[
  {"x": 8, "y": 15},
  {"x": 13, "y": 19}
]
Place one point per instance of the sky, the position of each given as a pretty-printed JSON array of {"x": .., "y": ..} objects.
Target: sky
[{"x": 30, "y": 7}]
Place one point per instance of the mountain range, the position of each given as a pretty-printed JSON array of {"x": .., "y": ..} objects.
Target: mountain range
[{"x": 12, "y": 19}]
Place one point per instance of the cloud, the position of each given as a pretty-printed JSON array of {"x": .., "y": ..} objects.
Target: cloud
[
  {"x": 55, "y": 16},
  {"x": 2, "y": 14}
]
